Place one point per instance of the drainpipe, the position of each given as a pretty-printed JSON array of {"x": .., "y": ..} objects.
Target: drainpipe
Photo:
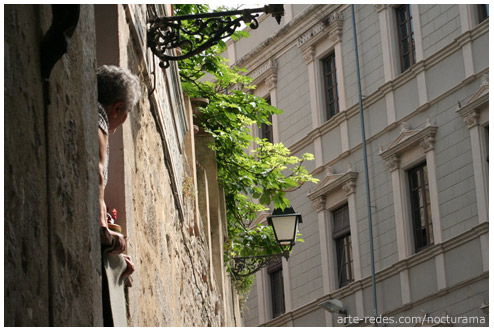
[{"x": 364, "y": 148}]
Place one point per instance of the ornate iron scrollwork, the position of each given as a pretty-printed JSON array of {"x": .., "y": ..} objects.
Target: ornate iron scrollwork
[
  {"x": 245, "y": 266},
  {"x": 165, "y": 33}
]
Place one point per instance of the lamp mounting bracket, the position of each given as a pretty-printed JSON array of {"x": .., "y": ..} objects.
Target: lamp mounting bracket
[
  {"x": 207, "y": 29},
  {"x": 246, "y": 266}
]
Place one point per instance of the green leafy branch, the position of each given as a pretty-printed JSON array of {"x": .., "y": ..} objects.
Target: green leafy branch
[{"x": 252, "y": 177}]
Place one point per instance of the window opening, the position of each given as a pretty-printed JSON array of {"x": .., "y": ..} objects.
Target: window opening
[
  {"x": 406, "y": 36},
  {"x": 343, "y": 243},
  {"x": 421, "y": 207},
  {"x": 275, "y": 273},
  {"x": 331, "y": 86},
  {"x": 483, "y": 12},
  {"x": 267, "y": 130}
]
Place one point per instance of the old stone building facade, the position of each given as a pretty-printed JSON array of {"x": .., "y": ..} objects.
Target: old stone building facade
[
  {"x": 424, "y": 75},
  {"x": 162, "y": 178}
]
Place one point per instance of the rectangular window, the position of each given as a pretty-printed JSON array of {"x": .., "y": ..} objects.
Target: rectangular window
[
  {"x": 266, "y": 131},
  {"x": 275, "y": 273},
  {"x": 405, "y": 36},
  {"x": 421, "y": 207},
  {"x": 331, "y": 86},
  {"x": 343, "y": 244},
  {"x": 483, "y": 12}
]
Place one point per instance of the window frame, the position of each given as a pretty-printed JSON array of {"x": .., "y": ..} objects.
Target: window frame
[
  {"x": 329, "y": 69},
  {"x": 275, "y": 276},
  {"x": 343, "y": 247},
  {"x": 410, "y": 149},
  {"x": 482, "y": 12},
  {"x": 265, "y": 130},
  {"x": 410, "y": 36},
  {"x": 415, "y": 207}
]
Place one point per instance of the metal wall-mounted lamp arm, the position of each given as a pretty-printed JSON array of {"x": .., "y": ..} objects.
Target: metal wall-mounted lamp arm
[
  {"x": 246, "y": 266},
  {"x": 285, "y": 227},
  {"x": 165, "y": 33}
]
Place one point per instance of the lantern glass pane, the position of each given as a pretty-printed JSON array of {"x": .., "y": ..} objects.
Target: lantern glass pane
[{"x": 284, "y": 226}]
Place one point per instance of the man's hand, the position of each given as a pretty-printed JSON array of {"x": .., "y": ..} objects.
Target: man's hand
[
  {"x": 130, "y": 269},
  {"x": 107, "y": 238}
]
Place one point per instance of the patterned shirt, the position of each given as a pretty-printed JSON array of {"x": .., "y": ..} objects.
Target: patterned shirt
[{"x": 104, "y": 126}]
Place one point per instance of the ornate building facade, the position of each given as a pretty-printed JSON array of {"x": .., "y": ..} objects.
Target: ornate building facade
[{"x": 425, "y": 94}]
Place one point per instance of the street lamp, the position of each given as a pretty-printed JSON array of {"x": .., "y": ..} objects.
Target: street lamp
[
  {"x": 165, "y": 33},
  {"x": 333, "y": 306},
  {"x": 285, "y": 226}
]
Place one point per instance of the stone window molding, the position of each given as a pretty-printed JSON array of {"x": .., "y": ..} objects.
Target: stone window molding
[
  {"x": 346, "y": 181},
  {"x": 404, "y": 147},
  {"x": 412, "y": 146},
  {"x": 333, "y": 191},
  {"x": 330, "y": 27},
  {"x": 267, "y": 73},
  {"x": 406, "y": 140},
  {"x": 317, "y": 41},
  {"x": 380, "y": 7},
  {"x": 479, "y": 101},
  {"x": 265, "y": 77},
  {"x": 309, "y": 54},
  {"x": 475, "y": 113}
]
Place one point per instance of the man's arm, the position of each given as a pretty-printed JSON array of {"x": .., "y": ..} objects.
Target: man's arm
[
  {"x": 107, "y": 235},
  {"x": 103, "y": 143},
  {"x": 106, "y": 239}
]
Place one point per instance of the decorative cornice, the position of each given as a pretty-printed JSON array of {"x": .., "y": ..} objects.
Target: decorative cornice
[
  {"x": 408, "y": 139},
  {"x": 345, "y": 181},
  {"x": 309, "y": 54},
  {"x": 380, "y": 7},
  {"x": 265, "y": 70},
  {"x": 427, "y": 143},
  {"x": 471, "y": 118},
  {"x": 393, "y": 163},
  {"x": 479, "y": 101},
  {"x": 336, "y": 27},
  {"x": 308, "y": 35},
  {"x": 332, "y": 24},
  {"x": 285, "y": 36},
  {"x": 319, "y": 203},
  {"x": 272, "y": 81},
  {"x": 350, "y": 186}
]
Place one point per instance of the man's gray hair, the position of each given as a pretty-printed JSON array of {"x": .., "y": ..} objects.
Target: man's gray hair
[{"x": 117, "y": 84}]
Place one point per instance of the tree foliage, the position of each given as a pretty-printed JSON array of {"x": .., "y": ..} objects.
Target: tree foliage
[{"x": 252, "y": 178}]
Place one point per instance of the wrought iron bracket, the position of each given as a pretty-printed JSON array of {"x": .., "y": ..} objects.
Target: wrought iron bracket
[
  {"x": 248, "y": 265},
  {"x": 165, "y": 33}
]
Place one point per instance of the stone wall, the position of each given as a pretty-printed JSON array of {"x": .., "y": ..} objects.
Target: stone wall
[
  {"x": 52, "y": 245},
  {"x": 175, "y": 283},
  {"x": 52, "y": 258}
]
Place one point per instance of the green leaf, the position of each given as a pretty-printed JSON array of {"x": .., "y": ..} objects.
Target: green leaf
[{"x": 265, "y": 200}]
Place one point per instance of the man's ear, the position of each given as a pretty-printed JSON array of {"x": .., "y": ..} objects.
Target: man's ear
[{"x": 119, "y": 106}]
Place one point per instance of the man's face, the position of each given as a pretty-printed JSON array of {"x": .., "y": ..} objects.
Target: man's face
[{"x": 117, "y": 115}]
